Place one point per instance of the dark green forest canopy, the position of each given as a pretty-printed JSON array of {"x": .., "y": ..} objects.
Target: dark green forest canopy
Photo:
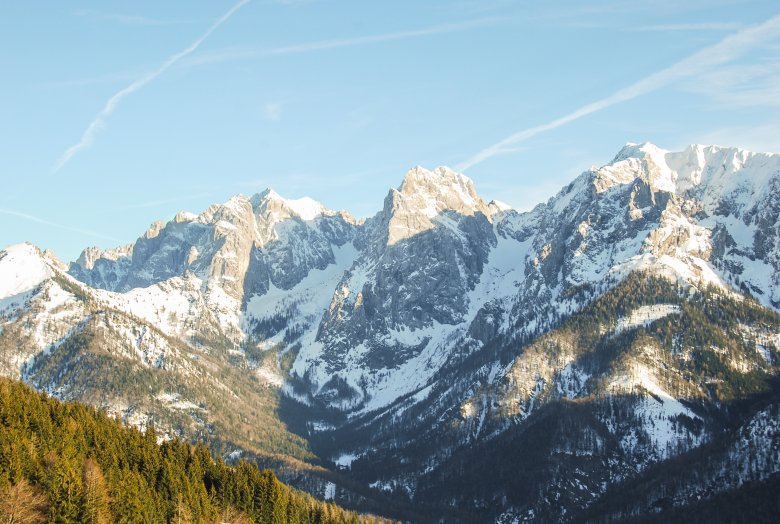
[{"x": 67, "y": 462}]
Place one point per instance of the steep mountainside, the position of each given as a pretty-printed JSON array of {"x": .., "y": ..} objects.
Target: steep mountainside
[
  {"x": 606, "y": 331},
  {"x": 68, "y": 463},
  {"x": 80, "y": 343},
  {"x": 225, "y": 255},
  {"x": 646, "y": 373}
]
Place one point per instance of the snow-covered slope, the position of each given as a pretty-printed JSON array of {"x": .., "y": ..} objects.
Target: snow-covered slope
[
  {"x": 388, "y": 326},
  {"x": 220, "y": 258},
  {"x": 430, "y": 317},
  {"x": 440, "y": 269},
  {"x": 22, "y": 269}
]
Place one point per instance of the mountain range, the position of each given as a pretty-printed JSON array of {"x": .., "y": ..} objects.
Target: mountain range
[{"x": 611, "y": 353}]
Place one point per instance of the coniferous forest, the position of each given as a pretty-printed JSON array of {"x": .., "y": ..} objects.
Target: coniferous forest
[{"x": 68, "y": 463}]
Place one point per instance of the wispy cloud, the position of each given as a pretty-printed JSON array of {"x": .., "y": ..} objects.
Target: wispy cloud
[
  {"x": 474, "y": 7},
  {"x": 163, "y": 201},
  {"x": 640, "y": 8},
  {"x": 295, "y": 2},
  {"x": 703, "y": 60},
  {"x": 272, "y": 111},
  {"x": 99, "y": 121},
  {"x": 634, "y": 16},
  {"x": 38, "y": 220},
  {"x": 93, "y": 80},
  {"x": 126, "y": 19},
  {"x": 249, "y": 53},
  {"x": 699, "y": 26},
  {"x": 741, "y": 85}
]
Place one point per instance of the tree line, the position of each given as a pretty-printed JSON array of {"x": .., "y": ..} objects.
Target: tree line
[{"x": 69, "y": 463}]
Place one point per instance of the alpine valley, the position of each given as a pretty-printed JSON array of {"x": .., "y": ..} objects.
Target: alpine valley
[{"x": 612, "y": 354}]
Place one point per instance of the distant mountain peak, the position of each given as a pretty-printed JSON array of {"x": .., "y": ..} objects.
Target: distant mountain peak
[
  {"x": 90, "y": 255},
  {"x": 499, "y": 206},
  {"x": 425, "y": 195},
  {"x": 185, "y": 216},
  {"x": 442, "y": 184},
  {"x": 22, "y": 268},
  {"x": 305, "y": 208},
  {"x": 707, "y": 169}
]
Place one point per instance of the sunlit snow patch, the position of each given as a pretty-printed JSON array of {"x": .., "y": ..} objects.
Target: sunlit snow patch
[
  {"x": 22, "y": 269},
  {"x": 658, "y": 412},
  {"x": 645, "y": 315}
]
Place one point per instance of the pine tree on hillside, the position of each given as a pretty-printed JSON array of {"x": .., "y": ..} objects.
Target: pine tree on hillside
[{"x": 69, "y": 463}]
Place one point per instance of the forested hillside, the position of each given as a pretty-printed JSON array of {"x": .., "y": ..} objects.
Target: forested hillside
[{"x": 67, "y": 462}]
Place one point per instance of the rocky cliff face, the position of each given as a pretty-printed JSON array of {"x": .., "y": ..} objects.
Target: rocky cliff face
[
  {"x": 439, "y": 272},
  {"x": 419, "y": 259},
  {"x": 443, "y": 324},
  {"x": 231, "y": 252}
]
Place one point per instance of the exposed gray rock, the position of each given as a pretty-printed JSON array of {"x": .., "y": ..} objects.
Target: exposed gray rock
[
  {"x": 421, "y": 255},
  {"x": 241, "y": 246}
]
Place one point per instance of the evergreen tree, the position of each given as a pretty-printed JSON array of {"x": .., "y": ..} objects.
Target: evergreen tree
[
  {"x": 65, "y": 491},
  {"x": 69, "y": 463},
  {"x": 182, "y": 513}
]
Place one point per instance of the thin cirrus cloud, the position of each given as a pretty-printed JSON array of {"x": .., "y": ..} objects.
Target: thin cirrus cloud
[
  {"x": 741, "y": 85},
  {"x": 127, "y": 19},
  {"x": 702, "y": 61},
  {"x": 272, "y": 111},
  {"x": 250, "y": 53},
  {"x": 38, "y": 220},
  {"x": 99, "y": 121},
  {"x": 94, "y": 80},
  {"x": 700, "y": 26}
]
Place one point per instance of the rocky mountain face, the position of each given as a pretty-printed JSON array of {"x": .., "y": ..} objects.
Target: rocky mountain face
[
  {"x": 229, "y": 253},
  {"x": 418, "y": 260},
  {"x": 446, "y": 352}
]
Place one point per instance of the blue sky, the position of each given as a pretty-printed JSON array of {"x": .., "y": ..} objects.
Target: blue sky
[{"x": 113, "y": 115}]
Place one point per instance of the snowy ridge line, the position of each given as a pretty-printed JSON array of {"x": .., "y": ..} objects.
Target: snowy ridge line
[{"x": 182, "y": 275}]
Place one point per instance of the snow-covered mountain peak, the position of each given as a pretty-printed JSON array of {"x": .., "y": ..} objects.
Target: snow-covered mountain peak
[
  {"x": 642, "y": 150},
  {"x": 722, "y": 170},
  {"x": 184, "y": 216},
  {"x": 305, "y": 208},
  {"x": 267, "y": 195},
  {"x": 441, "y": 186},
  {"x": 424, "y": 196},
  {"x": 644, "y": 161},
  {"x": 154, "y": 229},
  {"x": 22, "y": 268},
  {"x": 441, "y": 319},
  {"x": 90, "y": 255},
  {"x": 497, "y": 206},
  {"x": 707, "y": 170},
  {"x": 236, "y": 207}
]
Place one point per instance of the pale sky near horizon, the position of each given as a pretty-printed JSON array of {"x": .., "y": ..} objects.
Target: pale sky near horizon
[{"x": 114, "y": 115}]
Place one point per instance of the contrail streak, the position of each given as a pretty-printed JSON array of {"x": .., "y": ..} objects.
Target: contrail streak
[
  {"x": 722, "y": 52},
  {"x": 99, "y": 121},
  {"x": 38, "y": 220},
  {"x": 251, "y": 53}
]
